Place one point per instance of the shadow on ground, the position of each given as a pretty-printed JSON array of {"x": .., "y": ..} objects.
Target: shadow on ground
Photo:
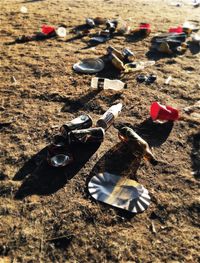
[
  {"x": 154, "y": 133},
  {"x": 109, "y": 70},
  {"x": 194, "y": 48},
  {"x": 41, "y": 179},
  {"x": 121, "y": 161},
  {"x": 79, "y": 103},
  {"x": 135, "y": 38},
  {"x": 155, "y": 55}
]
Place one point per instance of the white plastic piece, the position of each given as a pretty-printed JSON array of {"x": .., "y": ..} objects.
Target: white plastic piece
[
  {"x": 103, "y": 83},
  {"x": 167, "y": 81},
  {"x": 24, "y": 10},
  {"x": 61, "y": 31}
]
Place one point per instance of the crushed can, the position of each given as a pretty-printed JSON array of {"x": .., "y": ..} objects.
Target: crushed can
[
  {"x": 82, "y": 122},
  {"x": 91, "y": 135}
]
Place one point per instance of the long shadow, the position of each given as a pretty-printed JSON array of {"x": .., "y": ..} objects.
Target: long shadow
[
  {"x": 42, "y": 179},
  {"x": 135, "y": 38},
  {"x": 80, "y": 29},
  {"x": 155, "y": 55},
  {"x": 91, "y": 43},
  {"x": 194, "y": 48},
  {"x": 38, "y": 38},
  {"x": 31, "y": 165},
  {"x": 195, "y": 155},
  {"x": 118, "y": 160},
  {"x": 154, "y": 133},
  {"x": 79, "y": 103},
  {"x": 109, "y": 71}
]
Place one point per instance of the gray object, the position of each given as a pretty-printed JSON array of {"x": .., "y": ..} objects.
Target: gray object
[
  {"x": 119, "y": 191},
  {"x": 59, "y": 160},
  {"x": 91, "y": 65}
]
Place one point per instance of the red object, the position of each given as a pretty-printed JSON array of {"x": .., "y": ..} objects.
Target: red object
[
  {"x": 145, "y": 26},
  {"x": 163, "y": 113},
  {"x": 47, "y": 29},
  {"x": 178, "y": 29}
]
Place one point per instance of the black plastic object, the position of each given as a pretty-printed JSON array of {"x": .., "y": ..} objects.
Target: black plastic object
[
  {"x": 141, "y": 78},
  {"x": 151, "y": 78}
]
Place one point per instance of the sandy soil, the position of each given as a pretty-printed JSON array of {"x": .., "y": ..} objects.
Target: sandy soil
[{"x": 46, "y": 214}]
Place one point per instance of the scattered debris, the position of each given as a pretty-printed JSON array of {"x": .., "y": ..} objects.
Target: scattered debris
[
  {"x": 92, "y": 65},
  {"x": 61, "y": 32},
  {"x": 196, "y": 39},
  {"x": 139, "y": 147},
  {"x": 160, "y": 112},
  {"x": 24, "y": 10},
  {"x": 58, "y": 152},
  {"x": 153, "y": 228},
  {"x": 82, "y": 122},
  {"x": 137, "y": 66},
  {"x": 148, "y": 79},
  {"x": 103, "y": 83},
  {"x": 91, "y": 135},
  {"x": 109, "y": 116},
  {"x": 167, "y": 81},
  {"x": 13, "y": 79},
  {"x": 119, "y": 191}
]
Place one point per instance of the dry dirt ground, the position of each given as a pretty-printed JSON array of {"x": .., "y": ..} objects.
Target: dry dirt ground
[{"x": 46, "y": 214}]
